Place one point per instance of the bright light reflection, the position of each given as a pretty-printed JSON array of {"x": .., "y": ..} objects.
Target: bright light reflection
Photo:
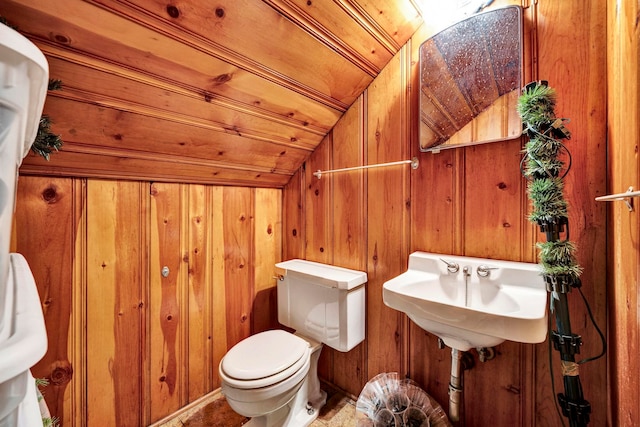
[{"x": 442, "y": 13}]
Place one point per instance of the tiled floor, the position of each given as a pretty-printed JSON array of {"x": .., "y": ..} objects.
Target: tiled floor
[{"x": 339, "y": 411}]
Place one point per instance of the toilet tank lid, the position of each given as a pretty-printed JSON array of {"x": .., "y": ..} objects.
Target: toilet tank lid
[{"x": 324, "y": 274}]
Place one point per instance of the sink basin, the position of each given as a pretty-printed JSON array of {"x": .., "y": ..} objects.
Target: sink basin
[{"x": 471, "y": 302}]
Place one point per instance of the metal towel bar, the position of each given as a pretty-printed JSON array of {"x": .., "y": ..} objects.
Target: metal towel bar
[
  {"x": 413, "y": 162},
  {"x": 625, "y": 197}
]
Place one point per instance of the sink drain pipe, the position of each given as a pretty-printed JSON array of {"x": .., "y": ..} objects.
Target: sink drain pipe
[{"x": 455, "y": 385}]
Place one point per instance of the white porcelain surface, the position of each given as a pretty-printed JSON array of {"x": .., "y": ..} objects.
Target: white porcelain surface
[
  {"x": 285, "y": 403},
  {"x": 264, "y": 359},
  {"x": 509, "y": 304},
  {"x": 263, "y": 377},
  {"x": 24, "y": 75},
  {"x": 263, "y": 400},
  {"x": 324, "y": 274},
  {"x": 25, "y": 342},
  {"x": 323, "y": 302}
]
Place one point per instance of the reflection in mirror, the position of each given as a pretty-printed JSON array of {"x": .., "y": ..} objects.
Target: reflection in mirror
[{"x": 470, "y": 78}]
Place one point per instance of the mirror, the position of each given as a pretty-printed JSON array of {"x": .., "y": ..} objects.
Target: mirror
[{"x": 470, "y": 80}]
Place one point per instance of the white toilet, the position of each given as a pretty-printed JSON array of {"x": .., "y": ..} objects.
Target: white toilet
[{"x": 272, "y": 376}]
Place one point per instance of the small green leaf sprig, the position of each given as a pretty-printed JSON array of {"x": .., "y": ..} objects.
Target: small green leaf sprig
[{"x": 46, "y": 141}]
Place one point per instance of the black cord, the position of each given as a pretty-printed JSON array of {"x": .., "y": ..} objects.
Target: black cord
[
  {"x": 553, "y": 382},
  {"x": 589, "y": 359},
  {"x": 595, "y": 325}
]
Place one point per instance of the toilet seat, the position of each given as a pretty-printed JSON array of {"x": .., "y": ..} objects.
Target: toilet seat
[{"x": 264, "y": 359}]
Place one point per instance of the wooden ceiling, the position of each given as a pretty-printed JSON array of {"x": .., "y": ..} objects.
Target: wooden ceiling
[{"x": 235, "y": 92}]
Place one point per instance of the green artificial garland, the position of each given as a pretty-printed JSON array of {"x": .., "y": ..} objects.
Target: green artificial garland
[{"x": 543, "y": 169}]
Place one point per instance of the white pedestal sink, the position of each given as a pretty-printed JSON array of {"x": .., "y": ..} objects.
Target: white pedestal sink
[{"x": 471, "y": 302}]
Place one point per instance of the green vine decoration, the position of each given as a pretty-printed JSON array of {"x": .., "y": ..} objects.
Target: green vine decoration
[{"x": 543, "y": 170}]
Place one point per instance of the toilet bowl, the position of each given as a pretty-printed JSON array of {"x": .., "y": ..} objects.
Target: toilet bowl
[{"x": 272, "y": 376}]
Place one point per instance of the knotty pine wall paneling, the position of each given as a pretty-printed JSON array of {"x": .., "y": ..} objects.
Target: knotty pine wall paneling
[
  {"x": 388, "y": 204},
  {"x": 473, "y": 201},
  {"x": 623, "y": 78},
  {"x": 167, "y": 316},
  {"x": 50, "y": 217},
  {"x": 196, "y": 256},
  {"x": 266, "y": 252},
  {"x": 348, "y": 230},
  {"x": 237, "y": 212},
  {"x": 293, "y": 216},
  {"x": 317, "y": 223},
  {"x": 572, "y": 56},
  {"x": 116, "y": 303},
  {"x": 128, "y": 346}
]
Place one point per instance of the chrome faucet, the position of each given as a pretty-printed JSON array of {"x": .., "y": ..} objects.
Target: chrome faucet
[
  {"x": 485, "y": 270},
  {"x": 466, "y": 272}
]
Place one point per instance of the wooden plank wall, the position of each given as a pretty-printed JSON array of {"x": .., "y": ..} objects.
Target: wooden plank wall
[
  {"x": 623, "y": 80},
  {"x": 128, "y": 346},
  {"x": 469, "y": 201}
]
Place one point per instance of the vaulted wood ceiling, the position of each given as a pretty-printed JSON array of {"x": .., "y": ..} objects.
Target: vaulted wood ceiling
[{"x": 235, "y": 92}]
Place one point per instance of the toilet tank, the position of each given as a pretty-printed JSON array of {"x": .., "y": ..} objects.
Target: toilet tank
[{"x": 323, "y": 302}]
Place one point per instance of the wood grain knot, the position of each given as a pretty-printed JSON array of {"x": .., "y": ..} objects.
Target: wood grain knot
[
  {"x": 61, "y": 373},
  {"x": 222, "y": 78},
  {"x": 50, "y": 194},
  {"x": 173, "y": 11},
  {"x": 60, "y": 38},
  {"x": 219, "y": 12},
  {"x": 294, "y": 232},
  {"x": 269, "y": 229},
  {"x": 502, "y": 185}
]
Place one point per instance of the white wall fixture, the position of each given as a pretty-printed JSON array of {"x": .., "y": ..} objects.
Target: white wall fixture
[{"x": 24, "y": 75}]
